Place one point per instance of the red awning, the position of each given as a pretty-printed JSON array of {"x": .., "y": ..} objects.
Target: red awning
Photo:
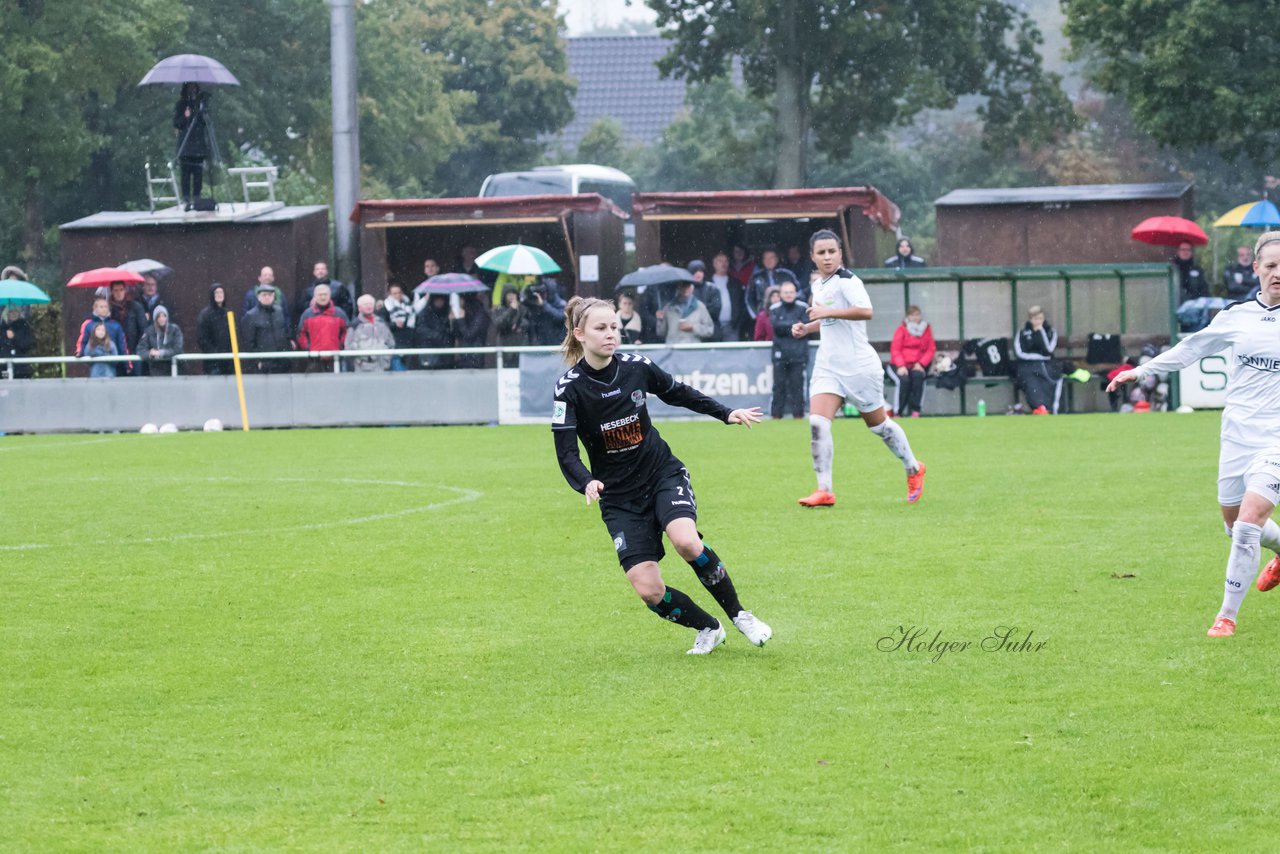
[
  {"x": 506, "y": 208},
  {"x": 768, "y": 204}
]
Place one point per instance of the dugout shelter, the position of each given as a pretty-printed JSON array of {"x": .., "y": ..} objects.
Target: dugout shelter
[
  {"x": 678, "y": 227},
  {"x": 582, "y": 233}
]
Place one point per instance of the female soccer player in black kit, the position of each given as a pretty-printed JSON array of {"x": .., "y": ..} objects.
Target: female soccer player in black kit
[{"x": 642, "y": 488}]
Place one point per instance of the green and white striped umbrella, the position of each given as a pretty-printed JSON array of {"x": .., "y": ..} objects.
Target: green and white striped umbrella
[{"x": 518, "y": 260}]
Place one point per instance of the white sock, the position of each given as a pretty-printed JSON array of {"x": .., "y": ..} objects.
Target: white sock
[
  {"x": 1271, "y": 535},
  {"x": 822, "y": 448},
  {"x": 896, "y": 441},
  {"x": 1242, "y": 566}
]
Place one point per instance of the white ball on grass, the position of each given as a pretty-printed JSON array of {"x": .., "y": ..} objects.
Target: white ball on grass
[
  {"x": 149, "y": 428},
  {"x": 169, "y": 427},
  {"x": 213, "y": 425}
]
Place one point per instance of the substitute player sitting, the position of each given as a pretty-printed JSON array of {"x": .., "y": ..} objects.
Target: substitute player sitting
[
  {"x": 1248, "y": 467},
  {"x": 847, "y": 368},
  {"x": 643, "y": 489}
]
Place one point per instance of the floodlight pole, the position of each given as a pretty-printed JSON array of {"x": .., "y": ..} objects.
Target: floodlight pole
[{"x": 346, "y": 138}]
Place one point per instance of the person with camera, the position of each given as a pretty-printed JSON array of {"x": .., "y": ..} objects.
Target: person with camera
[
  {"x": 545, "y": 318},
  {"x": 191, "y": 120}
]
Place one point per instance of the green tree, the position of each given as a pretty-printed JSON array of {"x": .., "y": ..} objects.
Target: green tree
[
  {"x": 1194, "y": 74},
  {"x": 63, "y": 60},
  {"x": 844, "y": 71},
  {"x": 506, "y": 56}
]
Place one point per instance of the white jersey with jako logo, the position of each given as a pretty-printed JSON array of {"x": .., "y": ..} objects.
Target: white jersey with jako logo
[{"x": 844, "y": 348}]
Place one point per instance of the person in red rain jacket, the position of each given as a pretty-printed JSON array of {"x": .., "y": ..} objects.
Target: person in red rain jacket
[
  {"x": 323, "y": 327},
  {"x": 910, "y": 355}
]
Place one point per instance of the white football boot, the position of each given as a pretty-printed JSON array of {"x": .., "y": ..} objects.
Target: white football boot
[
  {"x": 707, "y": 640},
  {"x": 756, "y": 629}
]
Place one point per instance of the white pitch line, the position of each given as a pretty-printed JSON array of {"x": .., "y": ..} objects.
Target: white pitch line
[{"x": 464, "y": 496}]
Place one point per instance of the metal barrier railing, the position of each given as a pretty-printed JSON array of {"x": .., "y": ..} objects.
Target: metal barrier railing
[{"x": 338, "y": 356}]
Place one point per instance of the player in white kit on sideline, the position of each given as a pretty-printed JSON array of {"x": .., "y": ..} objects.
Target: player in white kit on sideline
[
  {"x": 1249, "y": 459},
  {"x": 847, "y": 368}
]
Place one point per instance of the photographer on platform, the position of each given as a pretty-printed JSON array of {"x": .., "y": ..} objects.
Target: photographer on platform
[{"x": 191, "y": 119}]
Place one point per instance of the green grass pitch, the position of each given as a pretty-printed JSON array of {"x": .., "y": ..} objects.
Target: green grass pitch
[{"x": 419, "y": 639}]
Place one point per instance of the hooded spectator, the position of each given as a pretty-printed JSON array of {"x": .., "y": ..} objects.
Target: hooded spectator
[
  {"x": 159, "y": 344},
  {"x": 710, "y": 296},
  {"x": 369, "y": 332},
  {"x": 213, "y": 331},
  {"x": 16, "y": 342}
]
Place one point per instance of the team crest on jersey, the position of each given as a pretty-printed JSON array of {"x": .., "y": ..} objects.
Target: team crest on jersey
[
  {"x": 637, "y": 397},
  {"x": 619, "y": 542},
  {"x": 558, "y": 413}
]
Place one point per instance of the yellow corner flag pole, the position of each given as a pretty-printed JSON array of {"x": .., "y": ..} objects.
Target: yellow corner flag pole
[{"x": 235, "y": 360}]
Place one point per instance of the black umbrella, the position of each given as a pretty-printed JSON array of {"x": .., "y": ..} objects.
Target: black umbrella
[
  {"x": 658, "y": 274},
  {"x": 189, "y": 68}
]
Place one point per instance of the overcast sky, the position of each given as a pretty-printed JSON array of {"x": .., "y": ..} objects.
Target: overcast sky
[{"x": 585, "y": 15}]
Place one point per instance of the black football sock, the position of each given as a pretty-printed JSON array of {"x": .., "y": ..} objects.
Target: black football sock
[
  {"x": 711, "y": 572},
  {"x": 679, "y": 608}
]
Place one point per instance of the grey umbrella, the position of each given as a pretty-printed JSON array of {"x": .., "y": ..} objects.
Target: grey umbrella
[
  {"x": 143, "y": 266},
  {"x": 658, "y": 274},
  {"x": 189, "y": 68}
]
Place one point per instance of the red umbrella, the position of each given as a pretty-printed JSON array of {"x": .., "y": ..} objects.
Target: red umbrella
[
  {"x": 1169, "y": 231},
  {"x": 103, "y": 276}
]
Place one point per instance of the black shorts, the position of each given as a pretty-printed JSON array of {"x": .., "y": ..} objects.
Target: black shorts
[{"x": 636, "y": 526}]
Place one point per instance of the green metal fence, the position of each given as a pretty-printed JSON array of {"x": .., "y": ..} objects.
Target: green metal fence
[{"x": 1122, "y": 274}]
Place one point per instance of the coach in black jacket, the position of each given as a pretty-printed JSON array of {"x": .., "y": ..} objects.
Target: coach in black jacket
[
  {"x": 1038, "y": 377},
  {"x": 790, "y": 354}
]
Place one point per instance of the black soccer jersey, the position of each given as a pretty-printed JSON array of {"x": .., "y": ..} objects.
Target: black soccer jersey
[{"x": 606, "y": 409}]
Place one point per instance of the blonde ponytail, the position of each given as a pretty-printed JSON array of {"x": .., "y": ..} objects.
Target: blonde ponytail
[{"x": 575, "y": 315}]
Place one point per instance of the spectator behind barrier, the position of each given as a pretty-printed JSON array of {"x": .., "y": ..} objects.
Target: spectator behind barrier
[
  {"x": 101, "y": 314},
  {"x": 129, "y": 313},
  {"x": 266, "y": 330},
  {"x": 323, "y": 327},
  {"x": 904, "y": 258},
  {"x": 732, "y": 307},
  {"x": 159, "y": 344},
  {"x": 100, "y": 343},
  {"x": 213, "y": 331},
  {"x": 709, "y": 295},
  {"x": 764, "y": 326},
  {"x": 684, "y": 320},
  {"x": 910, "y": 356},
  {"x": 433, "y": 330},
  {"x": 397, "y": 311},
  {"x": 546, "y": 318},
  {"x": 150, "y": 296},
  {"x": 511, "y": 324},
  {"x": 633, "y": 326},
  {"x": 471, "y": 328},
  {"x": 16, "y": 342},
  {"x": 266, "y": 276},
  {"x": 802, "y": 268},
  {"x": 769, "y": 275},
  {"x": 790, "y": 354},
  {"x": 1239, "y": 278},
  {"x": 369, "y": 332},
  {"x": 339, "y": 294}
]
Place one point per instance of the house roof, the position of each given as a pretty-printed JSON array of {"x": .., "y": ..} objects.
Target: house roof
[
  {"x": 618, "y": 78},
  {"x": 1073, "y": 193}
]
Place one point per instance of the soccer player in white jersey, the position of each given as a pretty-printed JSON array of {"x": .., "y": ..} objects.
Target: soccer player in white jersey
[
  {"x": 1249, "y": 460},
  {"x": 847, "y": 368}
]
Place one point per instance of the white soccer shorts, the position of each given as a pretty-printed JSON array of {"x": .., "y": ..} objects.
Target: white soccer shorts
[
  {"x": 865, "y": 390},
  {"x": 1263, "y": 475},
  {"x": 1233, "y": 463}
]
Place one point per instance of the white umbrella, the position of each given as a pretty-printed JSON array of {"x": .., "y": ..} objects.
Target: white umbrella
[
  {"x": 518, "y": 260},
  {"x": 144, "y": 266}
]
